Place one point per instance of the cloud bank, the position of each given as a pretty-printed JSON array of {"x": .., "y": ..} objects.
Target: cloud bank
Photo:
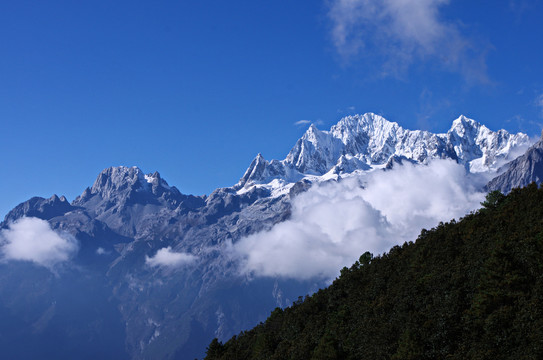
[
  {"x": 403, "y": 31},
  {"x": 167, "y": 258},
  {"x": 32, "y": 239},
  {"x": 333, "y": 224}
]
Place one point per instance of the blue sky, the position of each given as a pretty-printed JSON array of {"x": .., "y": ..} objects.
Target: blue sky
[{"x": 195, "y": 89}]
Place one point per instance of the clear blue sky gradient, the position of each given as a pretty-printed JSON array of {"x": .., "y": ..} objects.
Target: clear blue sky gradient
[{"x": 195, "y": 89}]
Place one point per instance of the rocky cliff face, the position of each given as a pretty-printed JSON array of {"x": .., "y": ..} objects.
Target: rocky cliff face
[
  {"x": 522, "y": 171},
  {"x": 132, "y": 307}
]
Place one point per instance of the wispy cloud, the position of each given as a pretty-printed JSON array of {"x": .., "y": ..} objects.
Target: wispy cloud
[
  {"x": 31, "y": 239},
  {"x": 520, "y": 7},
  {"x": 402, "y": 31},
  {"x": 333, "y": 224},
  {"x": 347, "y": 110},
  {"x": 302, "y": 122},
  {"x": 168, "y": 258},
  {"x": 539, "y": 103},
  {"x": 307, "y": 122},
  {"x": 102, "y": 251}
]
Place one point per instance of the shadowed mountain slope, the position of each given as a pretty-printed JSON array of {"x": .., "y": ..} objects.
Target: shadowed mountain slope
[
  {"x": 471, "y": 289},
  {"x": 522, "y": 171}
]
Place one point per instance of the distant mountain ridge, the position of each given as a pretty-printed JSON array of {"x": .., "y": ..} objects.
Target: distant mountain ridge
[
  {"x": 364, "y": 142},
  {"x": 127, "y": 216}
]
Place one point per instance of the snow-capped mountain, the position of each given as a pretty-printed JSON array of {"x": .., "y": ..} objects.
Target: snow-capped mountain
[
  {"x": 522, "y": 171},
  {"x": 133, "y": 308},
  {"x": 366, "y": 142}
]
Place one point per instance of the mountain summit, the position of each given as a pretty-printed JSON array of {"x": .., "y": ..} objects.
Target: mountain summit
[{"x": 369, "y": 141}]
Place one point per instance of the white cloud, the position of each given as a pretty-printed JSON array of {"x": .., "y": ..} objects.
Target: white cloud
[
  {"x": 102, "y": 251},
  {"x": 403, "y": 31},
  {"x": 31, "y": 239},
  {"x": 302, "y": 122},
  {"x": 307, "y": 122},
  {"x": 165, "y": 257},
  {"x": 333, "y": 224}
]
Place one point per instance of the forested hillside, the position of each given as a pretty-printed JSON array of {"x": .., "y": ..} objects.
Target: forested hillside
[{"x": 471, "y": 289}]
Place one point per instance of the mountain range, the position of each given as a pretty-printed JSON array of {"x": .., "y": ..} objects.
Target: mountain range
[
  {"x": 367, "y": 142},
  {"x": 154, "y": 275}
]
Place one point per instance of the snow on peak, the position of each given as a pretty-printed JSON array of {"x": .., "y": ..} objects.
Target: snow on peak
[
  {"x": 466, "y": 127},
  {"x": 369, "y": 141},
  {"x": 155, "y": 180},
  {"x": 255, "y": 170},
  {"x": 482, "y": 149}
]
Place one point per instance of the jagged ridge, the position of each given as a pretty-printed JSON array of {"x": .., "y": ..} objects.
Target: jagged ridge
[{"x": 364, "y": 142}]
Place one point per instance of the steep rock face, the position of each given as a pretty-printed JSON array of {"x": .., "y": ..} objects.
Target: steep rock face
[
  {"x": 128, "y": 201},
  {"x": 315, "y": 152},
  {"x": 522, "y": 171}
]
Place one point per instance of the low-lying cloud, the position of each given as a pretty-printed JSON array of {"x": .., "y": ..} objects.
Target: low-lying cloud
[
  {"x": 333, "y": 224},
  {"x": 32, "y": 239},
  {"x": 168, "y": 258}
]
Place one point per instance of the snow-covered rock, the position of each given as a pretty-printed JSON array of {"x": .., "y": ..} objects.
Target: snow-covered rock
[
  {"x": 366, "y": 142},
  {"x": 522, "y": 171}
]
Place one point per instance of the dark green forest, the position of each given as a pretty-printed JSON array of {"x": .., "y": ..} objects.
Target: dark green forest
[{"x": 468, "y": 289}]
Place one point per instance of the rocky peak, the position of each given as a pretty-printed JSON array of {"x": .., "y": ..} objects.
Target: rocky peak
[
  {"x": 41, "y": 208},
  {"x": 158, "y": 185},
  {"x": 480, "y": 148},
  {"x": 254, "y": 171},
  {"x": 368, "y": 124},
  {"x": 465, "y": 127},
  {"x": 115, "y": 179},
  {"x": 315, "y": 152},
  {"x": 124, "y": 186}
]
